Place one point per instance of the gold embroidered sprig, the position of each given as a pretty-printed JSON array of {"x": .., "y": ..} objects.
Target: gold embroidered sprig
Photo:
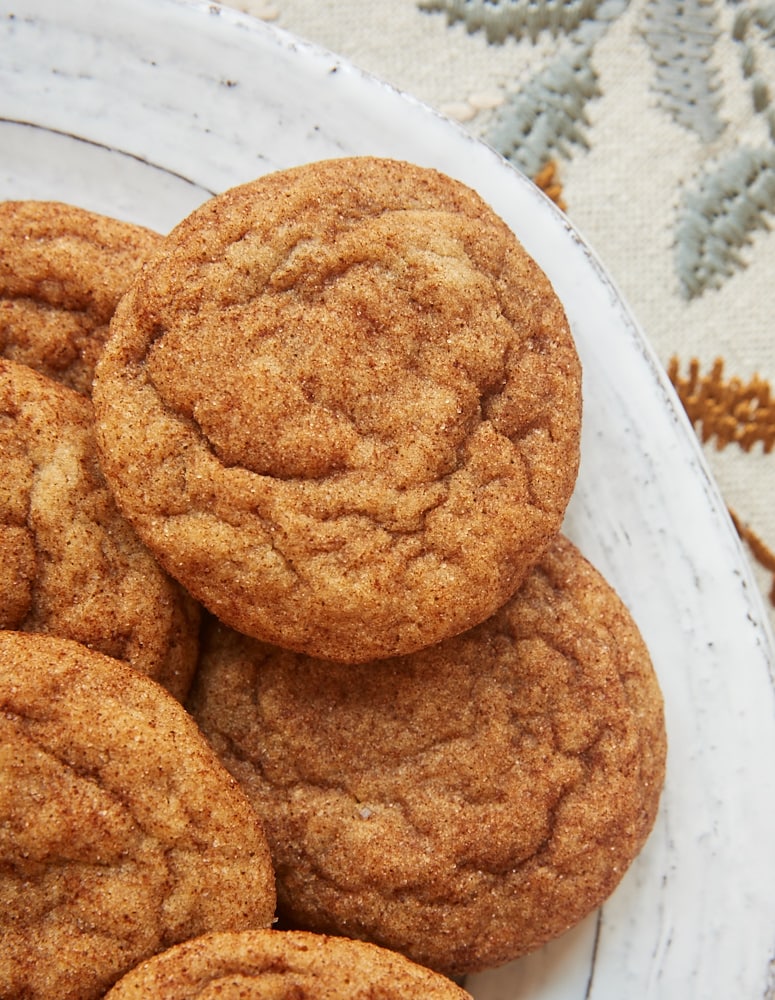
[
  {"x": 548, "y": 179},
  {"x": 729, "y": 410},
  {"x": 761, "y": 552},
  {"x": 732, "y": 412}
]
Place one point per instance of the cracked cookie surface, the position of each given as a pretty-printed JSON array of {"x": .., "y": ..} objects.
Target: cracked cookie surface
[
  {"x": 70, "y": 564},
  {"x": 463, "y": 804},
  {"x": 271, "y": 964},
  {"x": 62, "y": 271},
  {"x": 120, "y": 832},
  {"x": 342, "y": 406}
]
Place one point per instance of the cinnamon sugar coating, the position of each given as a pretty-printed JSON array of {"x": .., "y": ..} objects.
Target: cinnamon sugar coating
[
  {"x": 342, "y": 406},
  {"x": 120, "y": 832},
  {"x": 62, "y": 271},
  {"x": 70, "y": 564},
  {"x": 463, "y": 804},
  {"x": 267, "y": 965}
]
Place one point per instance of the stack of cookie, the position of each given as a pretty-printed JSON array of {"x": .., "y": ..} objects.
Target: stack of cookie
[{"x": 339, "y": 411}]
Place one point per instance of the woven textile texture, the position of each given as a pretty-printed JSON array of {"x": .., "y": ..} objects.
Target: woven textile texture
[{"x": 652, "y": 123}]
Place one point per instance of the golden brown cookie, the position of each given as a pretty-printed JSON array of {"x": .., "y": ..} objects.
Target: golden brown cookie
[
  {"x": 62, "y": 271},
  {"x": 463, "y": 804},
  {"x": 342, "y": 406},
  {"x": 70, "y": 564},
  {"x": 269, "y": 965},
  {"x": 120, "y": 832}
]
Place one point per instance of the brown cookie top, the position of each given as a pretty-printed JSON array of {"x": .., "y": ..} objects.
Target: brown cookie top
[
  {"x": 271, "y": 964},
  {"x": 463, "y": 804},
  {"x": 342, "y": 405},
  {"x": 120, "y": 832},
  {"x": 62, "y": 271},
  {"x": 70, "y": 563}
]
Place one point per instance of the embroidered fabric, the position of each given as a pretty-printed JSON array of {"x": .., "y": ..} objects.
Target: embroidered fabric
[{"x": 652, "y": 123}]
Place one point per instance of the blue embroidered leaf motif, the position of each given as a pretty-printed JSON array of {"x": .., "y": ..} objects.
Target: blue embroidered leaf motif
[
  {"x": 764, "y": 18},
  {"x": 681, "y": 35},
  {"x": 500, "y": 19},
  {"x": 719, "y": 215},
  {"x": 546, "y": 116},
  {"x": 753, "y": 24}
]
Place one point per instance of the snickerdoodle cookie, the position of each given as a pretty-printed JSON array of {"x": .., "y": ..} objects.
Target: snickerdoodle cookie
[
  {"x": 270, "y": 964},
  {"x": 70, "y": 563},
  {"x": 342, "y": 406},
  {"x": 465, "y": 803},
  {"x": 120, "y": 832},
  {"x": 62, "y": 271}
]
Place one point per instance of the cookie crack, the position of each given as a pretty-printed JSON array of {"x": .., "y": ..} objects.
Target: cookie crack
[
  {"x": 37, "y": 301},
  {"x": 88, "y": 774}
]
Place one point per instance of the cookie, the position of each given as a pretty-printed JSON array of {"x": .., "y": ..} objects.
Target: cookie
[
  {"x": 342, "y": 406},
  {"x": 267, "y": 964},
  {"x": 463, "y": 804},
  {"x": 62, "y": 271},
  {"x": 70, "y": 563},
  {"x": 120, "y": 832}
]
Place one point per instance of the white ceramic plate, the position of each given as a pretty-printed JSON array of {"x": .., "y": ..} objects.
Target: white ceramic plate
[{"x": 141, "y": 109}]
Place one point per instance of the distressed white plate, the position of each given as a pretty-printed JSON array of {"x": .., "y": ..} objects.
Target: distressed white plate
[{"x": 141, "y": 109}]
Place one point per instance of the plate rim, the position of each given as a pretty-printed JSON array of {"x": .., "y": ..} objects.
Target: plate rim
[{"x": 748, "y": 590}]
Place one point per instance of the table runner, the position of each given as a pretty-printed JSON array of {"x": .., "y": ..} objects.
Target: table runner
[{"x": 652, "y": 124}]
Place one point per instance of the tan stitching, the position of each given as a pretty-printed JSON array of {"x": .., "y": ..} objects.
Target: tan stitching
[
  {"x": 761, "y": 552},
  {"x": 548, "y": 180},
  {"x": 729, "y": 410}
]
